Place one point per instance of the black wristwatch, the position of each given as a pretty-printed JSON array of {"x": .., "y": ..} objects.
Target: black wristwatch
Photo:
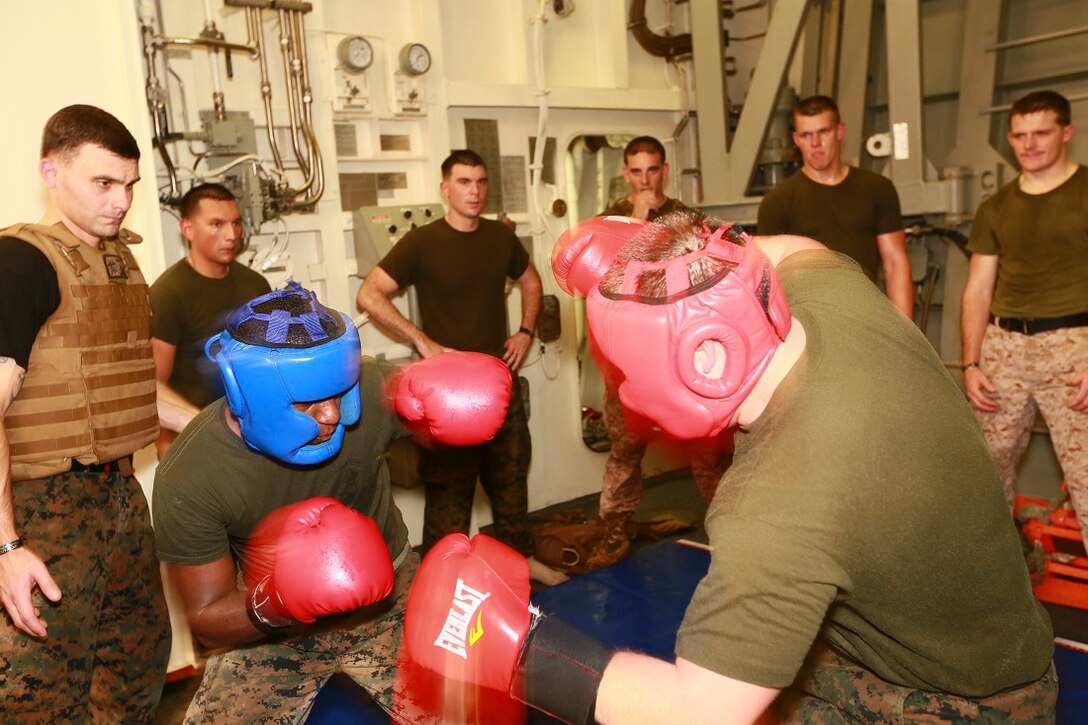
[{"x": 526, "y": 330}]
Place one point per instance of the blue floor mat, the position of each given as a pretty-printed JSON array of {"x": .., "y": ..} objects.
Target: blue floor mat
[
  {"x": 1071, "y": 661},
  {"x": 637, "y": 603},
  {"x": 342, "y": 702}
]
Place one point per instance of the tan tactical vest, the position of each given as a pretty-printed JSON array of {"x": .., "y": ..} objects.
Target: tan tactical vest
[{"x": 89, "y": 391}]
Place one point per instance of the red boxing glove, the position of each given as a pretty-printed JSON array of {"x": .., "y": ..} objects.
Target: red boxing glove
[
  {"x": 458, "y": 398},
  {"x": 468, "y": 611},
  {"x": 469, "y": 620},
  {"x": 325, "y": 558},
  {"x": 583, "y": 254}
]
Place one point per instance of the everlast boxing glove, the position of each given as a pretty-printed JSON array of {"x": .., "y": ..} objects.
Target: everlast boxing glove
[
  {"x": 469, "y": 619},
  {"x": 583, "y": 254},
  {"x": 455, "y": 397},
  {"x": 315, "y": 558}
]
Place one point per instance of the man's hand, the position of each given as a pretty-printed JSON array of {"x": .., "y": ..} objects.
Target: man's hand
[
  {"x": 514, "y": 349},
  {"x": 644, "y": 203},
  {"x": 1079, "y": 403},
  {"x": 20, "y": 571},
  {"x": 428, "y": 347},
  {"x": 981, "y": 393}
]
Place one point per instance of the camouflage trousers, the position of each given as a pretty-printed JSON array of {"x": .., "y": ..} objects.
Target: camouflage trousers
[
  {"x": 1030, "y": 373},
  {"x": 831, "y": 690},
  {"x": 621, "y": 487},
  {"x": 276, "y": 681},
  {"x": 502, "y": 466},
  {"x": 104, "y": 659}
]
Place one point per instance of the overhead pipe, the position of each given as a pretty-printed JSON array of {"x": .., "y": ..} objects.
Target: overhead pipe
[
  {"x": 662, "y": 46},
  {"x": 156, "y": 105},
  {"x": 299, "y": 101},
  {"x": 307, "y": 115},
  {"x": 256, "y": 36}
]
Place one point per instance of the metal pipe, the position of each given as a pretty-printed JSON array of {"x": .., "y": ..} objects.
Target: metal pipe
[
  {"x": 318, "y": 185},
  {"x": 663, "y": 46},
  {"x": 253, "y": 24},
  {"x": 298, "y": 135},
  {"x": 1038, "y": 38},
  {"x": 156, "y": 105},
  {"x": 1008, "y": 106},
  {"x": 211, "y": 44},
  {"x": 290, "y": 80}
]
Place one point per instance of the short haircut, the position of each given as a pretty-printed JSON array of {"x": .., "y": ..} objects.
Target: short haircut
[
  {"x": 465, "y": 157},
  {"x": 815, "y": 105},
  {"x": 671, "y": 235},
  {"x": 73, "y": 127},
  {"x": 1038, "y": 101},
  {"x": 191, "y": 201},
  {"x": 643, "y": 144}
]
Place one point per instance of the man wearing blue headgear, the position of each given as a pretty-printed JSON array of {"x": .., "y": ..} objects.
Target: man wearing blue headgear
[{"x": 284, "y": 481}]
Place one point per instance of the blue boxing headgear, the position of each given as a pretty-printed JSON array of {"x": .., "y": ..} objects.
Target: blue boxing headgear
[{"x": 282, "y": 348}]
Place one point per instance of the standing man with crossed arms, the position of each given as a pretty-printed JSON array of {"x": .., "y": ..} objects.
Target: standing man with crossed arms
[
  {"x": 1024, "y": 318},
  {"x": 850, "y": 210}
]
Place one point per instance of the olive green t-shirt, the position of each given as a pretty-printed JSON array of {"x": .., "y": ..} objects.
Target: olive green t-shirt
[
  {"x": 1041, "y": 241},
  {"x": 212, "y": 489},
  {"x": 186, "y": 309},
  {"x": 460, "y": 280},
  {"x": 846, "y": 217},
  {"x": 863, "y": 511}
]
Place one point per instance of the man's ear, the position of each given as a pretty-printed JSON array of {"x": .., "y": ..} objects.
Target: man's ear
[
  {"x": 47, "y": 167},
  {"x": 186, "y": 228}
]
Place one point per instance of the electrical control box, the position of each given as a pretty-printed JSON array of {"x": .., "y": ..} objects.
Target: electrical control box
[{"x": 378, "y": 228}]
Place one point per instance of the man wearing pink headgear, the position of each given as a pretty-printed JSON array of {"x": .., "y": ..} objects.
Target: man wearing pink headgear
[{"x": 856, "y": 574}]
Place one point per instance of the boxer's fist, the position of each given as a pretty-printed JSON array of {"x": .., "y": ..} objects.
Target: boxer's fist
[
  {"x": 315, "y": 558},
  {"x": 455, "y": 397},
  {"x": 469, "y": 621},
  {"x": 468, "y": 611},
  {"x": 584, "y": 253}
]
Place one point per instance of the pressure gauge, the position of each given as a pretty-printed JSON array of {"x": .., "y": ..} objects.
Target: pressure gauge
[
  {"x": 355, "y": 54},
  {"x": 415, "y": 59}
]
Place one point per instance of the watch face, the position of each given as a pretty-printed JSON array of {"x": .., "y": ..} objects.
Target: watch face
[
  {"x": 417, "y": 59},
  {"x": 356, "y": 54}
]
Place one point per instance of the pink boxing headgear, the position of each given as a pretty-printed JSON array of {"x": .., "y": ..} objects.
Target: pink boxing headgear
[{"x": 735, "y": 321}]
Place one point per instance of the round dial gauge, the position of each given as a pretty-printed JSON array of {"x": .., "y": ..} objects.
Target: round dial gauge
[
  {"x": 355, "y": 54},
  {"x": 415, "y": 59}
]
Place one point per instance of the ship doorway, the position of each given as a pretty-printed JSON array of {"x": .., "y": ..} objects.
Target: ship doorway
[{"x": 594, "y": 167}]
